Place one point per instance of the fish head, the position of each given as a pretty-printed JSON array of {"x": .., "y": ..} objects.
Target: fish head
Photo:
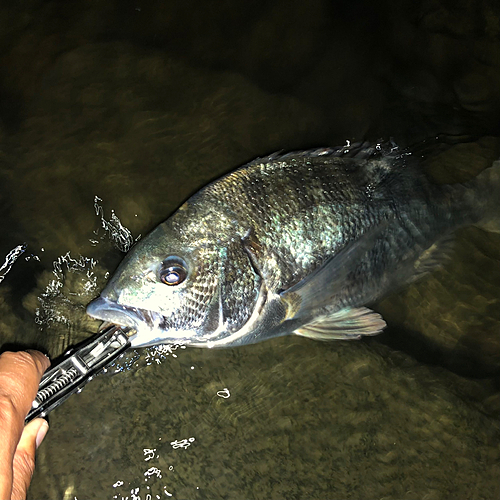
[{"x": 189, "y": 281}]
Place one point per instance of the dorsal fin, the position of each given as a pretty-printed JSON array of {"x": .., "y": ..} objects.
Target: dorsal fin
[{"x": 357, "y": 150}]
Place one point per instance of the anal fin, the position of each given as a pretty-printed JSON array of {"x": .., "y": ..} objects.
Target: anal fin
[
  {"x": 346, "y": 324},
  {"x": 434, "y": 257}
]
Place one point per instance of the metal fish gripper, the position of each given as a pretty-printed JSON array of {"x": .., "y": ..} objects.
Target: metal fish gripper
[{"x": 78, "y": 366}]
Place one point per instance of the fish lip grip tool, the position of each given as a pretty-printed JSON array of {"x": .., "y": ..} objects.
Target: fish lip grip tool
[{"x": 78, "y": 367}]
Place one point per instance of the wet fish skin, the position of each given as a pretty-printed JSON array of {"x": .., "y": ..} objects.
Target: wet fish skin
[{"x": 298, "y": 243}]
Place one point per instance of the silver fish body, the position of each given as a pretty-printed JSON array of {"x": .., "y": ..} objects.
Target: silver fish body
[{"x": 298, "y": 243}]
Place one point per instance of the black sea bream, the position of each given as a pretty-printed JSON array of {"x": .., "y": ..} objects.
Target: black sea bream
[{"x": 293, "y": 244}]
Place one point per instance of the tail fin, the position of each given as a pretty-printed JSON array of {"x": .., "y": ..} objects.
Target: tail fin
[{"x": 486, "y": 188}]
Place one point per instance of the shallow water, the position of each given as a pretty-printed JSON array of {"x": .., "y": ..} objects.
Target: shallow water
[{"x": 140, "y": 106}]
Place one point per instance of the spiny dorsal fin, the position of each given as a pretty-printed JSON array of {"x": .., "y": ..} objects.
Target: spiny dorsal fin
[{"x": 355, "y": 150}]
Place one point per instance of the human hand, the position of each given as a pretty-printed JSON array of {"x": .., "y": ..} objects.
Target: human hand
[{"x": 20, "y": 374}]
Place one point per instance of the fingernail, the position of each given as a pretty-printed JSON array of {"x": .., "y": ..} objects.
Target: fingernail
[{"x": 42, "y": 431}]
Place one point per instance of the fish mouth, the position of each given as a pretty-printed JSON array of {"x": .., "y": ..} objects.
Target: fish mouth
[
  {"x": 105, "y": 310},
  {"x": 149, "y": 325}
]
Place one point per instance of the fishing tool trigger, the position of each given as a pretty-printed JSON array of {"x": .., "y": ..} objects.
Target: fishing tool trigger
[{"x": 78, "y": 367}]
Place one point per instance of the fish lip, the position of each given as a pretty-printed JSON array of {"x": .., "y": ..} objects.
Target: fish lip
[{"x": 106, "y": 310}]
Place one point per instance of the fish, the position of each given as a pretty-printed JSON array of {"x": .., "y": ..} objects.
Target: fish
[{"x": 298, "y": 243}]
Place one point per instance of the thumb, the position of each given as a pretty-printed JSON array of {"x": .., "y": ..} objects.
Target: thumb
[{"x": 24, "y": 458}]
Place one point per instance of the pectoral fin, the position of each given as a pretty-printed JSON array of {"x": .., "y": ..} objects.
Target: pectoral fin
[
  {"x": 318, "y": 289},
  {"x": 346, "y": 324}
]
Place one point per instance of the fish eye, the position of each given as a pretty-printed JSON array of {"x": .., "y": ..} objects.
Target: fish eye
[{"x": 173, "y": 271}]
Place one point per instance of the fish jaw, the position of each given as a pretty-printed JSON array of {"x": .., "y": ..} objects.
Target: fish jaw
[{"x": 147, "y": 324}]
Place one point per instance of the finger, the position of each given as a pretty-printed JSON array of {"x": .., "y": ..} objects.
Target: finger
[
  {"x": 20, "y": 375},
  {"x": 24, "y": 458},
  {"x": 41, "y": 360}
]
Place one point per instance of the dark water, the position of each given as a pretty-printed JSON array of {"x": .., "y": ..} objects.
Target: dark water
[{"x": 141, "y": 104}]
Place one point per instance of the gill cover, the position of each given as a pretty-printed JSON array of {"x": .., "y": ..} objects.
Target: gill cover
[{"x": 239, "y": 287}]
